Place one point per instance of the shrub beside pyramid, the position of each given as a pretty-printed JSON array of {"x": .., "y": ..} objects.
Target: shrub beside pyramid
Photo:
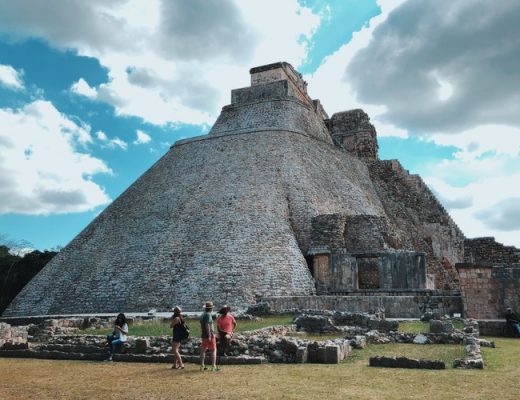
[{"x": 245, "y": 212}]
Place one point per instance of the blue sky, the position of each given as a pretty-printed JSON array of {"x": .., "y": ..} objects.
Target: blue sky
[{"x": 93, "y": 93}]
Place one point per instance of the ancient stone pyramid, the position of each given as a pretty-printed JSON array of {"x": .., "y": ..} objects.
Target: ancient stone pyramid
[{"x": 247, "y": 210}]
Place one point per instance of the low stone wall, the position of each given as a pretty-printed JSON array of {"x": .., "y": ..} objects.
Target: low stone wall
[
  {"x": 395, "y": 306},
  {"x": 266, "y": 345},
  {"x": 492, "y": 327},
  {"x": 404, "y": 362},
  {"x": 376, "y": 337},
  {"x": 473, "y": 357},
  {"x": 352, "y": 323}
]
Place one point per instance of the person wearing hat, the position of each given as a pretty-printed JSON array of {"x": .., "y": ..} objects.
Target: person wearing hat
[
  {"x": 177, "y": 337},
  {"x": 208, "y": 339},
  {"x": 226, "y": 324}
]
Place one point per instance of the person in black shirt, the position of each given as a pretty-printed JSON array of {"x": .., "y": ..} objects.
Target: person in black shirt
[
  {"x": 512, "y": 320},
  {"x": 177, "y": 321}
]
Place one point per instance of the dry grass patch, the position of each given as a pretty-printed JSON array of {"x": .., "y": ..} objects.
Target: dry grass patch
[{"x": 352, "y": 379}]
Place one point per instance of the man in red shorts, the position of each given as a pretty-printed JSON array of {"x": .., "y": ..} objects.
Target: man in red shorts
[{"x": 208, "y": 340}]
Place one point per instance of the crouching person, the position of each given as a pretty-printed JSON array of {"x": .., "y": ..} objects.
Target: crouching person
[{"x": 118, "y": 336}]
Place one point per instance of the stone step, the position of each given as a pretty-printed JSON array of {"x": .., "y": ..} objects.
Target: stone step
[
  {"x": 72, "y": 348},
  {"x": 100, "y": 356}
]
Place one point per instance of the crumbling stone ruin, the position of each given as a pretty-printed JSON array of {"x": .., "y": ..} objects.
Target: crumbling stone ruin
[
  {"x": 489, "y": 279},
  {"x": 279, "y": 203},
  {"x": 64, "y": 339}
]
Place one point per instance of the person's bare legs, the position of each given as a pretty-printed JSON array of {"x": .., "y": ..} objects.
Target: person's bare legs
[
  {"x": 176, "y": 355},
  {"x": 214, "y": 358},
  {"x": 202, "y": 357}
]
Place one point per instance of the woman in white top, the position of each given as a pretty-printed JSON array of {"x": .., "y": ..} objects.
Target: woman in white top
[{"x": 118, "y": 336}]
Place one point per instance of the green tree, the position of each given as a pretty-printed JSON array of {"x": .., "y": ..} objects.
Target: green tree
[{"x": 17, "y": 271}]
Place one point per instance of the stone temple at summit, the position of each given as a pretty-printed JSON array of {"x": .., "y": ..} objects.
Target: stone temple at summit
[{"x": 279, "y": 204}]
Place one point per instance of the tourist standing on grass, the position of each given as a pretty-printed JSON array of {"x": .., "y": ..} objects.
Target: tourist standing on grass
[
  {"x": 208, "y": 339},
  {"x": 118, "y": 336},
  {"x": 226, "y": 325},
  {"x": 513, "y": 320},
  {"x": 178, "y": 335}
]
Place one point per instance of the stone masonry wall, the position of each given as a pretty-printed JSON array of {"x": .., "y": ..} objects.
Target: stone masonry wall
[
  {"x": 281, "y": 71},
  {"x": 223, "y": 218},
  {"x": 277, "y": 114},
  {"x": 367, "y": 233},
  {"x": 419, "y": 222},
  {"x": 479, "y": 292},
  {"x": 328, "y": 231},
  {"x": 489, "y": 278},
  {"x": 489, "y": 290},
  {"x": 487, "y": 250},
  {"x": 402, "y": 306},
  {"x": 353, "y": 131}
]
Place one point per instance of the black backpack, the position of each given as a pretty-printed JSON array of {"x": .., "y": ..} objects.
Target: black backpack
[{"x": 184, "y": 330}]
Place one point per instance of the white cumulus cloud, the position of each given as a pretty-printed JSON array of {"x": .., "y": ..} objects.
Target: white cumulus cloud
[
  {"x": 42, "y": 167},
  {"x": 170, "y": 61},
  {"x": 332, "y": 85},
  {"x": 142, "y": 137},
  {"x": 111, "y": 143},
  {"x": 81, "y": 87},
  {"x": 10, "y": 77}
]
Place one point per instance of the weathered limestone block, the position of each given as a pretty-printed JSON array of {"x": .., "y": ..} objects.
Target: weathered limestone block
[
  {"x": 421, "y": 339},
  {"x": 376, "y": 337},
  {"x": 301, "y": 355},
  {"x": 349, "y": 318},
  {"x": 438, "y": 326},
  {"x": 358, "y": 342},
  {"x": 332, "y": 354},
  {"x": 315, "y": 323},
  {"x": 141, "y": 345},
  {"x": 383, "y": 325},
  {"x": 404, "y": 362},
  {"x": 10, "y": 335},
  {"x": 353, "y": 131}
]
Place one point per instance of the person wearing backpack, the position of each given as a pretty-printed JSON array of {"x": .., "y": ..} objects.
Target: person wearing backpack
[{"x": 180, "y": 333}]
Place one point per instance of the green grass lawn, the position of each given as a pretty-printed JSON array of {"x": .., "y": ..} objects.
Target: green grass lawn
[
  {"x": 159, "y": 328},
  {"x": 422, "y": 327},
  {"x": 352, "y": 379}
]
